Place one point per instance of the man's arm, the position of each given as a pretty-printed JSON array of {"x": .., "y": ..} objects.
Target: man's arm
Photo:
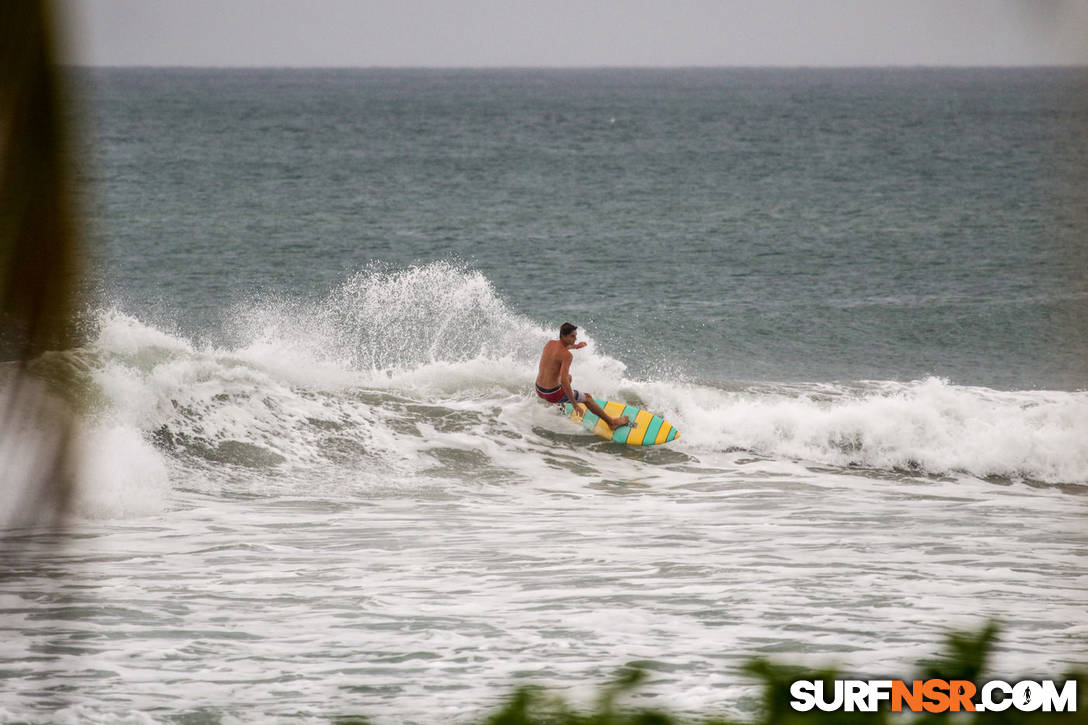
[{"x": 564, "y": 374}]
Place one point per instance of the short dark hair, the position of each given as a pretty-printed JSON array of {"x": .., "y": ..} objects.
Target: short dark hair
[{"x": 566, "y": 328}]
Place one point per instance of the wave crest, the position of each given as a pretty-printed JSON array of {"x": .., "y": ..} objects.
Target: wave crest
[
  {"x": 929, "y": 426},
  {"x": 393, "y": 321},
  {"x": 371, "y": 376}
]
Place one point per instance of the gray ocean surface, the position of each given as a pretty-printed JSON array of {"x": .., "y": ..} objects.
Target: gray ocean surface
[
  {"x": 737, "y": 225},
  {"x": 316, "y": 481}
]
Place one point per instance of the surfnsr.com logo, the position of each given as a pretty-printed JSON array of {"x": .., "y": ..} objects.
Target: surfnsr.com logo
[{"x": 933, "y": 696}]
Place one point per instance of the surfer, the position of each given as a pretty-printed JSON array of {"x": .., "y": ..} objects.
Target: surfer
[{"x": 553, "y": 378}]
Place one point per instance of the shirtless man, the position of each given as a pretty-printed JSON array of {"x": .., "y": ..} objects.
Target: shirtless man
[{"x": 553, "y": 378}]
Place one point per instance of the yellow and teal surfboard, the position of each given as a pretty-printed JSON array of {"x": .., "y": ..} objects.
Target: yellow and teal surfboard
[{"x": 647, "y": 429}]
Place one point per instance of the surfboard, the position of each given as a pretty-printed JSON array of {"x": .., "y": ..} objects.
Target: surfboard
[{"x": 647, "y": 429}]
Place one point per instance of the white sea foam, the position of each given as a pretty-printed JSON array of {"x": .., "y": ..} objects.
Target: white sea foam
[
  {"x": 349, "y": 384},
  {"x": 310, "y": 382},
  {"x": 84, "y": 715},
  {"x": 120, "y": 475},
  {"x": 383, "y": 322},
  {"x": 929, "y": 425},
  {"x": 342, "y": 530},
  {"x": 35, "y": 425}
]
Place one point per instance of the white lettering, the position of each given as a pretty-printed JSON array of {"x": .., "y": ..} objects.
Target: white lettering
[
  {"x": 879, "y": 690},
  {"x": 823, "y": 703},
  {"x": 989, "y": 704},
  {"x": 1066, "y": 701},
  {"x": 804, "y": 697},
  {"x": 1027, "y": 696},
  {"x": 855, "y": 696},
  {"x": 995, "y": 695}
]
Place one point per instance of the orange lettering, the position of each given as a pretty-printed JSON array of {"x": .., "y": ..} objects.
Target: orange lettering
[
  {"x": 936, "y": 692},
  {"x": 912, "y": 695},
  {"x": 961, "y": 692}
]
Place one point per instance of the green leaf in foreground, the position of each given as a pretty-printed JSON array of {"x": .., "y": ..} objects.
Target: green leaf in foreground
[{"x": 965, "y": 657}]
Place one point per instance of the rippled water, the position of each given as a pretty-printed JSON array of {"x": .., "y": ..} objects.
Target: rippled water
[
  {"x": 315, "y": 480},
  {"x": 403, "y": 602}
]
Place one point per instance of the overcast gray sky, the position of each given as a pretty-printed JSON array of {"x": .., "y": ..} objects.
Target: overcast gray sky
[{"x": 471, "y": 33}]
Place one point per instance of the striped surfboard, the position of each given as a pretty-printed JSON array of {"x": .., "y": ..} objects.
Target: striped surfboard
[{"x": 648, "y": 429}]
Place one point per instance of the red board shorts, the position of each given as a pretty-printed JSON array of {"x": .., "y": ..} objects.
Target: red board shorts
[{"x": 556, "y": 395}]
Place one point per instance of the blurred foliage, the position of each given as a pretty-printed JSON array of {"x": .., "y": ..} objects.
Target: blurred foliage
[
  {"x": 38, "y": 249},
  {"x": 39, "y": 255},
  {"x": 964, "y": 657}
]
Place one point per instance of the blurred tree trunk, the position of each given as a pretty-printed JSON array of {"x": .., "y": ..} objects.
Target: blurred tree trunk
[{"x": 38, "y": 264}]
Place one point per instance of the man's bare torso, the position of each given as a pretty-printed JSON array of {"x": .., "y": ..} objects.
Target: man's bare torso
[{"x": 551, "y": 362}]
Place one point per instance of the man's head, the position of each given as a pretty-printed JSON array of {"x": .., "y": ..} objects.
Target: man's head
[{"x": 568, "y": 333}]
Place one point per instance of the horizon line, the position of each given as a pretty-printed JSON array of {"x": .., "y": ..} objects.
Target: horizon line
[{"x": 891, "y": 66}]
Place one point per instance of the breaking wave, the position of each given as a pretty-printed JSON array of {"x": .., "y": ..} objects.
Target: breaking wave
[{"x": 425, "y": 373}]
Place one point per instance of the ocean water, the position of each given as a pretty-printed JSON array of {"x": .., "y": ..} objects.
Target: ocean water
[{"x": 315, "y": 479}]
